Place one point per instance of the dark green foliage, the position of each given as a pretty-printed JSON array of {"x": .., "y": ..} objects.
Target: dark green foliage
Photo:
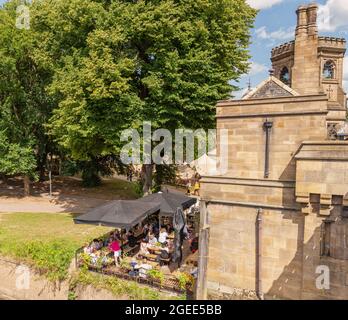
[
  {"x": 163, "y": 174},
  {"x": 25, "y": 106},
  {"x": 121, "y": 62},
  {"x": 88, "y": 69}
]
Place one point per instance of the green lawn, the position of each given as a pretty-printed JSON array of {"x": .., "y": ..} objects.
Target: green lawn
[
  {"x": 110, "y": 189},
  {"x": 46, "y": 240}
]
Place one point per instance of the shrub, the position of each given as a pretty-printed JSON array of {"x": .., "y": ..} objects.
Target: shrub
[
  {"x": 156, "y": 275},
  {"x": 184, "y": 280},
  {"x": 51, "y": 258}
]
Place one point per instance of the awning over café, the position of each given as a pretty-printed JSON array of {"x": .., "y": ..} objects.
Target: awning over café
[
  {"x": 119, "y": 214},
  {"x": 169, "y": 202}
]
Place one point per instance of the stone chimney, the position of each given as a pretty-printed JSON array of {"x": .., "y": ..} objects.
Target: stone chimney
[
  {"x": 302, "y": 22},
  {"x": 312, "y": 15},
  {"x": 306, "y": 69}
]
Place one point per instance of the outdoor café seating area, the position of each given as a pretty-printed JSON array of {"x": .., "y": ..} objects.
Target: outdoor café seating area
[{"x": 155, "y": 241}]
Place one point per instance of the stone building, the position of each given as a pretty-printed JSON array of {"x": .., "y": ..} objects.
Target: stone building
[{"x": 276, "y": 224}]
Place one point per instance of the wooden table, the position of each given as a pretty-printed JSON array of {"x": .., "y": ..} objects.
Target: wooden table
[
  {"x": 154, "y": 249},
  {"x": 127, "y": 249}
]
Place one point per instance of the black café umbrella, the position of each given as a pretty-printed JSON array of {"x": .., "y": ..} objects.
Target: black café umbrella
[
  {"x": 179, "y": 227},
  {"x": 119, "y": 214},
  {"x": 170, "y": 202}
]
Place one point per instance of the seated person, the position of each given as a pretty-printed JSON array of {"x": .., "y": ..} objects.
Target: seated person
[
  {"x": 170, "y": 228},
  {"x": 99, "y": 245},
  {"x": 164, "y": 253},
  {"x": 95, "y": 244},
  {"x": 143, "y": 268},
  {"x": 124, "y": 236},
  {"x": 132, "y": 240},
  {"x": 138, "y": 230},
  {"x": 194, "y": 245},
  {"x": 163, "y": 236},
  {"x": 94, "y": 256},
  {"x": 155, "y": 228},
  {"x": 147, "y": 236},
  {"x": 106, "y": 241},
  {"x": 170, "y": 244},
  {"x": 116, "y": 234},
  {"x": 87, "y": 249},
  {"x": 146, "y": 228},
  {"x": 152, "y": 239},
  {"x": 194, "y": 270},
  {"x": 143, "y": 247}
]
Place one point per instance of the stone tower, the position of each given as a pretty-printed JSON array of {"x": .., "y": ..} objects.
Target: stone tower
[
  {"x": 280, "y": 210},
  {"x": 312, "y": 64}
]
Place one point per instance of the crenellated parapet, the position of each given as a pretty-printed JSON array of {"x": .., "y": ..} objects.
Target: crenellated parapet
[
  {"x": 332, "y": 42},
  {"x": 284, "y": 49},
  {"x": 321, "y": 176}
]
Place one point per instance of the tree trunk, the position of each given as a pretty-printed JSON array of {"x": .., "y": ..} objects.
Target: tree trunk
[
  {"x": 26, "y": 181},
  {"x": 3, "y": 178},
  {"x": 42, "y": 174},
  {"x": 147, "y": 178}
]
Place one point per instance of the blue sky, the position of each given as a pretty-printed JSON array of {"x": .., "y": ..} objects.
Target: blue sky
[{"x": 275, "y": 24}]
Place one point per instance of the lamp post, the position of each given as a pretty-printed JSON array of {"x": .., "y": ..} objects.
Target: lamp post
[{"x": 49, "y": 167}]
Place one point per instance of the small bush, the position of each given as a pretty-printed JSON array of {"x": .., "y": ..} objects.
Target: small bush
[
  {"x": 117, "y": 286},
  {"x": 138, "y": 188},
  {"x": 156, "y": 275},
  {"x": 50, "y": 258},
  {"x": 184, "y": 280}
]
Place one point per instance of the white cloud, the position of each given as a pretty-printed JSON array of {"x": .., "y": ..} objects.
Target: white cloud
[
  {"x": 333, "y": 15},
  {"x": 345, "y": 68},
  {"x": 256, "y": 68},
  {"x": 263, "y": 4},
  {"x": 345, "y": 74},
  {"x": 279, "y": 34}
]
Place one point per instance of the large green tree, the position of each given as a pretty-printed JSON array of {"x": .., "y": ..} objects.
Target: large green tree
[
  {"x": 119, "y": 62},
  {"x": 25, "y": 106}
]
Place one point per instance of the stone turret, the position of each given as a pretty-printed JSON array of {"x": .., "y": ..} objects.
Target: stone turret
[
  {"x": 305, "y": 71},
  {"x": 312, "y": 64}
]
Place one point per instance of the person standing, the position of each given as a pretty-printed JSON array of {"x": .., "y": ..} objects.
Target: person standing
[
  {"x": 196, "y": 185},
  {"x": 188, "y": 186},
  {"x": 115, "y": 247}
]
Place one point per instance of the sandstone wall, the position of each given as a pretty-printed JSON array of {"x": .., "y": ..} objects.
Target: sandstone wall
[
  {"x": 11, "y": 287},
  {"x": 294, "y": 120},
  {"x": 39, "y": 288},
  {"x": 291, "y": 254}
]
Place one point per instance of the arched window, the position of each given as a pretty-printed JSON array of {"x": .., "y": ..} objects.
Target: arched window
[
  {"x": 285, "y": 76},
  {"x": 329, "y": 70}
]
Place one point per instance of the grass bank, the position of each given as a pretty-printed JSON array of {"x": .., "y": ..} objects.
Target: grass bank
[
  {"x": 118, "y": 287},
  {"x": 46, "y": 241}
]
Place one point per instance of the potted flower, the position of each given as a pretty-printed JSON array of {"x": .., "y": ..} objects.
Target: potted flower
[
  {"x": 185, "y": 280},
  {"x": 125, "y": 266},
  {"x": 156, "y": 276}
]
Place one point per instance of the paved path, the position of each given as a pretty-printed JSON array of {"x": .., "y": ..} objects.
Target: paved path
[{"x": 56, "y": 204}]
